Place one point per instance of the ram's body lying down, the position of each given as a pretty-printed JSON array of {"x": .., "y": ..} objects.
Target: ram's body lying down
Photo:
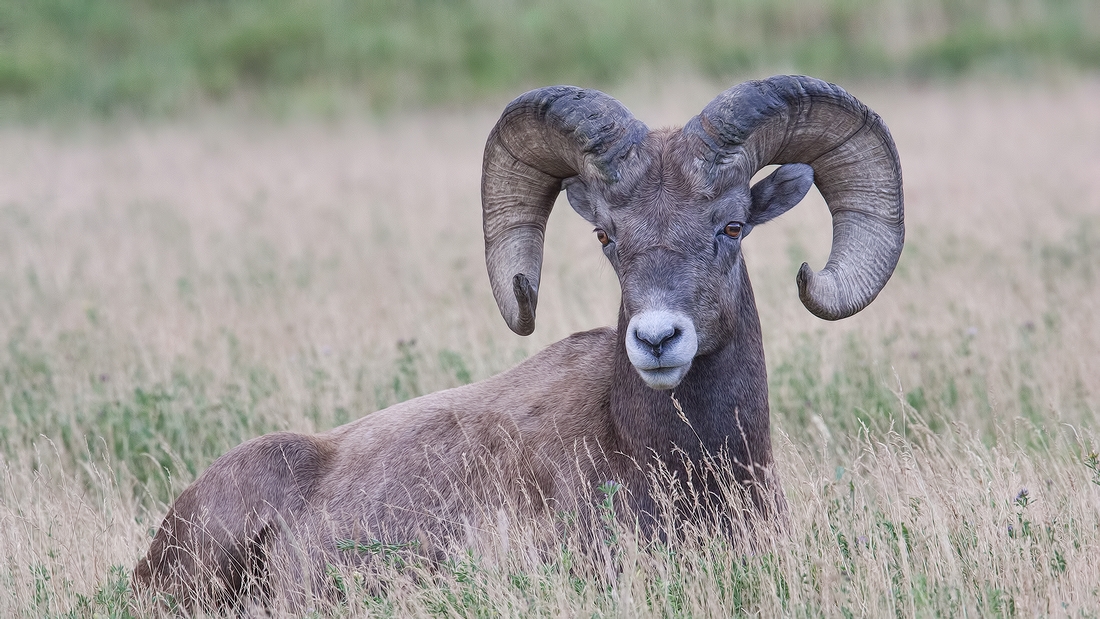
[{"x": 671, "y": 208}]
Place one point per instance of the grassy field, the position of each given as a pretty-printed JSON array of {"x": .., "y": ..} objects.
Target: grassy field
[
  {"x": 168, "y": 290},
  {"x": 60, "y": 58}
]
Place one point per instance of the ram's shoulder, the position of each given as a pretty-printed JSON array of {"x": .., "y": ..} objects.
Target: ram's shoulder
[
  {"x": 570, "y": 372},
  {"x": 597, "y": 345}
]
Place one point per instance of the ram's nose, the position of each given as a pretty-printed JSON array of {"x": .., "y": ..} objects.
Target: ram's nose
[
  {"x": 656, "y": 337},
  {"x": 661, "y": 345}
]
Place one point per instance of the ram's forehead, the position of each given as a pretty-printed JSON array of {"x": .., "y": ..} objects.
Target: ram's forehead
[
  {"x": 666, "y": 185},
  {"x": 663, "y": 212},
  {"x": 659, "y": 170}
]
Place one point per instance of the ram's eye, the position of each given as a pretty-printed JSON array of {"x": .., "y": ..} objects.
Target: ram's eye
[
  {"x": 602, "y": 237},
  {"x": 732, "y": 230}
]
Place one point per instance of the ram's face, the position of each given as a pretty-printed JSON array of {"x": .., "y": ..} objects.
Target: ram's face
[
  {"x": 671, "y": 208},
  {"x": 674, "y": 236}
]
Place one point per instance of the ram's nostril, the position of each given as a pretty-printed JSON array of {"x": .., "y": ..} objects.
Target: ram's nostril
[
  {"x": 655, "y": 337},
  {"x": 671, "y": 336}
]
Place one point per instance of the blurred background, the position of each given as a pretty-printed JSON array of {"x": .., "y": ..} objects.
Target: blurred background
[{"x": 167, "y": 56}]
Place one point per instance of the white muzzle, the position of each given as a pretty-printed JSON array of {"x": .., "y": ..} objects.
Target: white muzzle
[{"x": 661, "y": 345}]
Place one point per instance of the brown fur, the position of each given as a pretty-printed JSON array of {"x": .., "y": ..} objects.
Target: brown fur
[
  {"x": 425, "y": 470},
  {"x": 266, "y": 517}
]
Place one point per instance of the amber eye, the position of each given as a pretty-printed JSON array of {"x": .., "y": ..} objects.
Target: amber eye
[
  {"x": 732, "y": 229},
  {"x": 602, "y": 237}
]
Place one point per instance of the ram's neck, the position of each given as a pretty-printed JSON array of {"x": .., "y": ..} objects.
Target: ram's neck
[{"x": 723, "y": 398}]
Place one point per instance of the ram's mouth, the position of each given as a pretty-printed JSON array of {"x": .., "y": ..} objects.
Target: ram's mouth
[{"x": 663, "y": 379}]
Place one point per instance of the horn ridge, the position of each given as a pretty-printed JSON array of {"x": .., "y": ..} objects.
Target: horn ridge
[
  {"x": 799, "y": 119},
  {"x": 543, "y": 137}
]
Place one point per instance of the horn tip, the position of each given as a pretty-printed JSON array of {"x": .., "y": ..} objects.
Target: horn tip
[
  {"x": 527, "y": 297},
  {"x": 812, "y": 291}
]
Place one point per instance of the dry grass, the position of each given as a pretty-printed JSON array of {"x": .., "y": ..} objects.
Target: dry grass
[{"x": 167, "y": 291}]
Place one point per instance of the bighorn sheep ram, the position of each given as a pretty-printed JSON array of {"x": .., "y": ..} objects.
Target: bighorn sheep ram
[{"x": 671, "y": 209}]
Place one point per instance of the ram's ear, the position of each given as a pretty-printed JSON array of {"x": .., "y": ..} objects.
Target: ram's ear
[
  {"x": 779, "y": 192},
  {"x": 580, "y": 198}
]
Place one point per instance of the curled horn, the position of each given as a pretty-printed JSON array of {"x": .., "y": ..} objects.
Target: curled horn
[
  {"x": 798, "y": 119},
  {"x": 543, "y": 137}
]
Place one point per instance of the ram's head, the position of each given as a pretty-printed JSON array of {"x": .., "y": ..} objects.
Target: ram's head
[{"x": 671, "y": 207}]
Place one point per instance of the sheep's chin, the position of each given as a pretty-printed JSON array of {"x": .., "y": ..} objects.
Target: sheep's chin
[{"x": 663, "y": 379}]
